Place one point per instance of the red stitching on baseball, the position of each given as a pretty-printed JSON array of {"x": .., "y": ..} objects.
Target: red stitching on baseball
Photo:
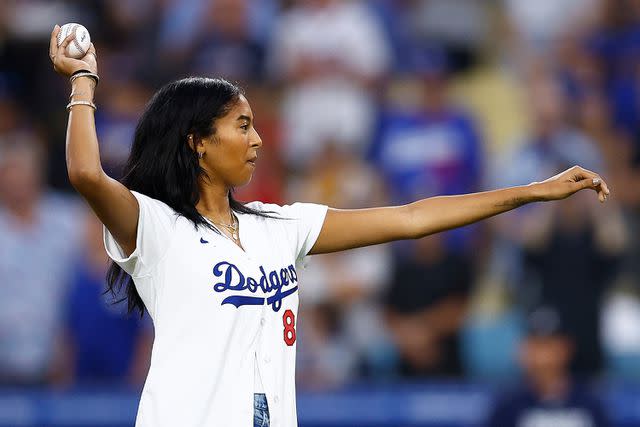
[
  {"x": 75, "y": 40},
  {"x": 77, "y": 45}
]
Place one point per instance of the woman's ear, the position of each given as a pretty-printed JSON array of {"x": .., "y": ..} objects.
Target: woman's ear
[{"x": 195, "y": 143}]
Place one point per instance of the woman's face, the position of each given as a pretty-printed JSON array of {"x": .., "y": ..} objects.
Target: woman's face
[{"x": 231, "y": 152}]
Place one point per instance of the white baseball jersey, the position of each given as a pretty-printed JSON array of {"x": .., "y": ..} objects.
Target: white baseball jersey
[{"x": 217, "y": 309}]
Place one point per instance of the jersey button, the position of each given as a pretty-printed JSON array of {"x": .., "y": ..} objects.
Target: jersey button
[
  {"x": 276, "y": 399},
  {"x": 267, "y": 359},
  {"x": 262, "y": 321}
]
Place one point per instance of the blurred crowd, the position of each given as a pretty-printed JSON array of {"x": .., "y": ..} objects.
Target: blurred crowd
[{"x": 359, "y": 103}]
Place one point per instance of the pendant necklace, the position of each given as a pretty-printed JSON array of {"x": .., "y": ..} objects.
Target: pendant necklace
[{"x": 231, "y": 228}]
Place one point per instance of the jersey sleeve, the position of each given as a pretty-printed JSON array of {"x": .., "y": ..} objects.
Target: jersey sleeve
[
  {"x": 156, "y": 222},
  {"x": 310, "y": 218},
  {"x": 301, "y": 224}
]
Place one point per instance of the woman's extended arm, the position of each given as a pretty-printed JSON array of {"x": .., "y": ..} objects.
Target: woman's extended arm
[
  {"x": 345, "y": 229},
  {"x": 112, "y": 202}
]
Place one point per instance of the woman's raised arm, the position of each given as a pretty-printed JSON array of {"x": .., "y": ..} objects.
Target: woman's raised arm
[
  {"x": 112, "y": 202},
  {"x": 345, "y": 229}
]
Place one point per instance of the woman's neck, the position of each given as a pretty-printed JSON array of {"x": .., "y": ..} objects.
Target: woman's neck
[{"x": 214, "y": 203}]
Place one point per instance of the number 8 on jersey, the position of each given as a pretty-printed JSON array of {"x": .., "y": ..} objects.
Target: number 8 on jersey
[{"x": 289, "y": 322}]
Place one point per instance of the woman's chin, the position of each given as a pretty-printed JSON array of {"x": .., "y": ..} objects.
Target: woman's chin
[
  {"x": 244, "y": 177},
  {"x": 244, "y": 181}
]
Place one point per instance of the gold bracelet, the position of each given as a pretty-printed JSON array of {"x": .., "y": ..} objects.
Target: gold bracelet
[{"x": 87, "y": 103}]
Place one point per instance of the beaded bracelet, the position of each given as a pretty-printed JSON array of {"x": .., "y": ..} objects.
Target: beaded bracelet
[{"x": 87, "y": 103}]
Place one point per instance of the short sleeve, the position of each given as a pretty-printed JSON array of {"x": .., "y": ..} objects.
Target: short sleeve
[
  {"x": 156, "y": 222},
  {"x": 309, "y": 225},
  {"x": 302, "y": 223}
]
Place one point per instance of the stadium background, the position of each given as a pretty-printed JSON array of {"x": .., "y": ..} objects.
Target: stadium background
[{"x": 358, "y": 104}]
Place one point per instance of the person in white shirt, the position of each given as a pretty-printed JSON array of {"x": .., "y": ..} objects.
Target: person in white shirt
[
  {"x": 220, "y": 278},
  {"x": 331, "y": 54}
]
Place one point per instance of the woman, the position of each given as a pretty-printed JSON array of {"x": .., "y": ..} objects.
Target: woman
[{"x": 219, "y": 277}]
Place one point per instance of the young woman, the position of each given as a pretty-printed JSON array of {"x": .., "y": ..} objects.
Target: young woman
[{"x": 219, "y": 277}]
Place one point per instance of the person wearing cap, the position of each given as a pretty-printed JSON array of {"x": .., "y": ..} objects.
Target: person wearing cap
[{"x": 549, "y": 396}]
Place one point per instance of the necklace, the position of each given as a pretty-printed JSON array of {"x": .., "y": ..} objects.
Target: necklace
[{"x": 231, "y": 228}]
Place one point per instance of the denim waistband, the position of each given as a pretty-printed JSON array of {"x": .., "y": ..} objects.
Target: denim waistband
[{"x": 260, "y": 401}]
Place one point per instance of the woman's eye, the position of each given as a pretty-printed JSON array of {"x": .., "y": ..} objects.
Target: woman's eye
[{"x": 245, "y": 127}]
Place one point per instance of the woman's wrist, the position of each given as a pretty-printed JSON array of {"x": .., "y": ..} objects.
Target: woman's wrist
[
  {"x": 82, "y": 89},
  {"x": 534, "y": 192}
]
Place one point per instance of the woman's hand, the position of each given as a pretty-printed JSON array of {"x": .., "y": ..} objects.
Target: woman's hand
[
  {"x": 66, "y": 65},
  {"x": 569, "y": 182}
]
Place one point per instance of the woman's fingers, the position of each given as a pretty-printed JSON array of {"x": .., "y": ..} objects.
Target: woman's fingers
[
  {"x": 91, "y": 59},
  {"x": 92, "y": 52},
  {"x": 598, "y": 182},
  {"x": 593, "y": 183},
  {"x": 53, "y": 43},
  {"x": 605, "y": 187},
  {"x": 589, "y": 179},
  {"x": 600, "y": 186},
  {"x": 60, "y": 58},
  {"x": 65, "y": 42}
]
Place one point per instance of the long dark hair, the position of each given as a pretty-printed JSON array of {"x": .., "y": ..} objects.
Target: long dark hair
[{"x": 161, "y": 164}]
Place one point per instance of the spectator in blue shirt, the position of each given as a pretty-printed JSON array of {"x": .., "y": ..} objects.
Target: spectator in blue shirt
[
  {"x": 103, "y": 344},
  {"x": 431, "y": 150}
]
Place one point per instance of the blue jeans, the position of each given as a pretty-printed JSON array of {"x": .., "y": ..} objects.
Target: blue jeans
[{"x": 260, "y": 410}]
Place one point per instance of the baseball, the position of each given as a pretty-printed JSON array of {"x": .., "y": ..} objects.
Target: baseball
[{"x": 79, "y": 46}]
